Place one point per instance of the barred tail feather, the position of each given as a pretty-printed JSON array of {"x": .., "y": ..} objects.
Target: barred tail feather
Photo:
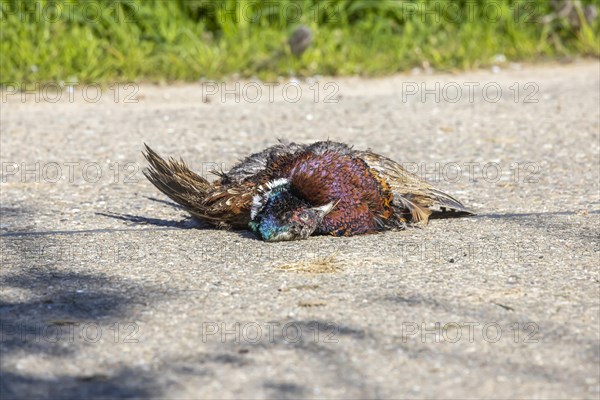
[
  {"x": 223, "y": 207},
  {"x": 176, "y": 180}
]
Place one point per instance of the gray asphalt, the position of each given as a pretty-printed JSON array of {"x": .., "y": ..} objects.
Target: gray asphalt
[{"x": 110, "y": 291}]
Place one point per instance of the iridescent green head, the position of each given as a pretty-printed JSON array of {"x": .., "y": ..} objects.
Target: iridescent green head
[{"x": 278, "y": 214}]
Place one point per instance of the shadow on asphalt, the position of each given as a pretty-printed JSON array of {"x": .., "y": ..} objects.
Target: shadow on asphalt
[
  {"x": 525, "y": 215},
  {"x": 61, "y": 313},
  {"x": 166, "y": 202},
  {"x": 123, "y": 383},
  {"x": 188, "y": 223},
  {"x": 547, "y": 221}
]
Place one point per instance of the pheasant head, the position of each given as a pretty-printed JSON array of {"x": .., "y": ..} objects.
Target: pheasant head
[{"x": 278, "y": 214}]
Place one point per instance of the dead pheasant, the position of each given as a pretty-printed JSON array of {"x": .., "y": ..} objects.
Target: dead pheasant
[{"x": 291, "y": 191}]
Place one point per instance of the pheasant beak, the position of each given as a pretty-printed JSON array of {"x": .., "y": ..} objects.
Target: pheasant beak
[{"x": 326, "y": 209}]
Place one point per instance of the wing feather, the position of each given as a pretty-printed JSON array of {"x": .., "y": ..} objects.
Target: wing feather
[{"x": 413, "y": 194}]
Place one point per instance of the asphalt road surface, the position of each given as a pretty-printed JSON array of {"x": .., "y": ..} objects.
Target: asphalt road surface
[{"x": 108, "y": 290}]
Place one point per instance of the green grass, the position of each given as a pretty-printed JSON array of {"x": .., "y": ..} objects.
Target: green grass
[{"x": 134, "y": 40}]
